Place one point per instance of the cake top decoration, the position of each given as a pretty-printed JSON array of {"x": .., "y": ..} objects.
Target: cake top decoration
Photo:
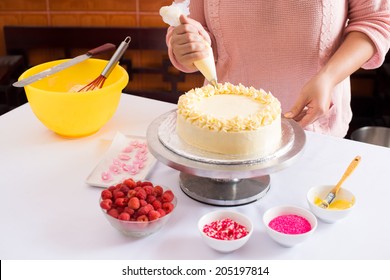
[{"x": 189, "y": 107}]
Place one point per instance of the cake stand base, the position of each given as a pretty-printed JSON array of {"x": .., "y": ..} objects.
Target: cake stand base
[{"x": 224, "y": 192}]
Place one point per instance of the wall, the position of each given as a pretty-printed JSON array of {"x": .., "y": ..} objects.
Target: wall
[
  {"x": 80, "y": 12},
  {"x": 138, "y": 13},
  {"x": 143, "y": 13}
]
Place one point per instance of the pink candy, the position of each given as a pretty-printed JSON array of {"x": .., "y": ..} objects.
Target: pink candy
[
  {"x": 122, "y": 162},
  {"x": 115, "y": 169},
  {"x": 106, "y": 176},
  {"x": 124, "y": 157},
  {"x": 128, "y": 149},
  {"x": 225, "y": 229},
  {"x": 290, "y": 224}
]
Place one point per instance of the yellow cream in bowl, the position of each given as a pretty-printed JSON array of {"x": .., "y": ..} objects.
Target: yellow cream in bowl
[{"x": 337, "y": 204}]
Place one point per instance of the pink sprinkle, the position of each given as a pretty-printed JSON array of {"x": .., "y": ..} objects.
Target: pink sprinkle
[
  {"x": 124, "y": 157},
  {"x": 225, "y": 229},
  {"x": 106, "y": 176},
  {"x": 125, "y": 161},
  {"x": 142, "y": 146},
  {"x": 115, "y": 169},
  {"x": 290, "y": 224},
  {"x": 126, "y": 167},
  {"x": 128, "y": 149},
  {"x": 141, "y": 156},
  {"x": 134, "y": 143},
  {"x": 134, "y": 170},
  {"x": 139, "y": 163}
]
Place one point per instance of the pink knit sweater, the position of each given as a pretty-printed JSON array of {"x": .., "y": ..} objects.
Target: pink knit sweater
[{"x": 279, "y": 45}]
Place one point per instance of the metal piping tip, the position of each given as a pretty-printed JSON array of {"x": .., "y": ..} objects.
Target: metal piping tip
[{"x": 214, "y": 83}]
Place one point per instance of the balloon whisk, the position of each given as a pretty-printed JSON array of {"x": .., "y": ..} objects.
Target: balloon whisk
[{"x": 99, "y": 81}]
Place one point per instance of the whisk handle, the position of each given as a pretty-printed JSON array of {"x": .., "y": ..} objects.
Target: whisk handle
[
  {"x": 116, "y": 56},
  {"x": 101, "y": 49}
]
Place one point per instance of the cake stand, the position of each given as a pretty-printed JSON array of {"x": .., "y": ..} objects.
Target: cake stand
[{"x": 216, "y": 179}]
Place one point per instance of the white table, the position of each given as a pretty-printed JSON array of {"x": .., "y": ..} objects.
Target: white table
[{"x": 47, "y": 211}]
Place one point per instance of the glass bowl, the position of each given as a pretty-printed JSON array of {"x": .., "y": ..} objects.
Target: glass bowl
[{"x": 139, "y": 229}]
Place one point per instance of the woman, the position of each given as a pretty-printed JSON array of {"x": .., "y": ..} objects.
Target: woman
[{"x": 301, "y": 51}]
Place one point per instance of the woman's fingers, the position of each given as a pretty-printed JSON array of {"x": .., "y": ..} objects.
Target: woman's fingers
[{"x": 187, "y": 43}]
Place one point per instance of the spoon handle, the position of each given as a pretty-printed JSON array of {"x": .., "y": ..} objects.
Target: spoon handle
[{"x": 346, "y": 174}]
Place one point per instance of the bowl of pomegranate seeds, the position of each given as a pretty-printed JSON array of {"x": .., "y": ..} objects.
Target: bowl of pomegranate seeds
[
  {"x": 137, "y": 208},
  {"x": 289, "y": 225},
  {"x": 225, "y": 230}
]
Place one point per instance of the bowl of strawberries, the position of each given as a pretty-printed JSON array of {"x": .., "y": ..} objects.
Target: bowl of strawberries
[{"x": 137, "y": 208}]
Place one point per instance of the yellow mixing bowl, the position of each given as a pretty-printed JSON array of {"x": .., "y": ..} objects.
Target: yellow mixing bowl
[{"x": 75, "y": 114}]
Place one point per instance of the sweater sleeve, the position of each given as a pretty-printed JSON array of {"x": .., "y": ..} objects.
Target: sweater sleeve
[{"x": 373, "y": 19}]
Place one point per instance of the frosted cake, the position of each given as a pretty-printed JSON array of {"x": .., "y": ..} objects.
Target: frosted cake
[{"x": 230, "y": 119}]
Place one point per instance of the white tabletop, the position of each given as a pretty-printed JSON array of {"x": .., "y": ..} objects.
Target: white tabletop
[{"x": 47, "y": 211}]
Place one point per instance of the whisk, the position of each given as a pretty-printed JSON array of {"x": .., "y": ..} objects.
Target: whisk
[{"x": 99, "y": 81}]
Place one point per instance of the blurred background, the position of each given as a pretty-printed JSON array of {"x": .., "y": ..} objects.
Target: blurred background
[{"x": 149, "y": 67}]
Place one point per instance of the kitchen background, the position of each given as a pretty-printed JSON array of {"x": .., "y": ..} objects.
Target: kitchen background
[{"x": 370, "y": 106}]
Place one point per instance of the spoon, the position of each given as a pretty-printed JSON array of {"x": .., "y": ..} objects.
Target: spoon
[{"x": 332, "y": 194}]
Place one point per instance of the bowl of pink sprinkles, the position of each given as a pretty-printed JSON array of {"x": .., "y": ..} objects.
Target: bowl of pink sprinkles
[
  {"x": 289, "y": 225},
  {"x": 224, "y": 230}
]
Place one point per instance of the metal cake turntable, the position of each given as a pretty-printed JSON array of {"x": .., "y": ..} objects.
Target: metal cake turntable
[{"x": 216, "y": 179}]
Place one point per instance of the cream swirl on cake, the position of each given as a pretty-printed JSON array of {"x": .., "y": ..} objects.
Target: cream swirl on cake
[
  {"x": 188, "y": 108},
  {"x": 230, "y": 119}
]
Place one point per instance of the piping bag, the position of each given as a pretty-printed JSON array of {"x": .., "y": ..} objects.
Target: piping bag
[{"x": 170, "y": 15}]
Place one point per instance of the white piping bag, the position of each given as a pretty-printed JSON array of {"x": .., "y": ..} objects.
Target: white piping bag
[{"x": 170, "y": 15}]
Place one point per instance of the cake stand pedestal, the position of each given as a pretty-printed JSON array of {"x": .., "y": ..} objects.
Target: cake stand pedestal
[
  {"x": 224, "y": 192},
  {"x": 221, "y": 180}
]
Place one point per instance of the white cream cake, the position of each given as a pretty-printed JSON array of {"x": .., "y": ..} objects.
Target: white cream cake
[{"x": 230, "y": 119}]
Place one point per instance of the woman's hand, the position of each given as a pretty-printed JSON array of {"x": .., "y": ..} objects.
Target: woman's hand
[
  {"x": 187, "y": 42},
  {"x": 315, "y": 97},
  {"x": 313, "y": 102}
]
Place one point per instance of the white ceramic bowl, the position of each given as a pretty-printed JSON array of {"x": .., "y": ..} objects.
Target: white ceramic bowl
[
  {"x": 329, "y": 215},
  {"x": 288, "y": 240},
  {"x": 225, "y": 246}
]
